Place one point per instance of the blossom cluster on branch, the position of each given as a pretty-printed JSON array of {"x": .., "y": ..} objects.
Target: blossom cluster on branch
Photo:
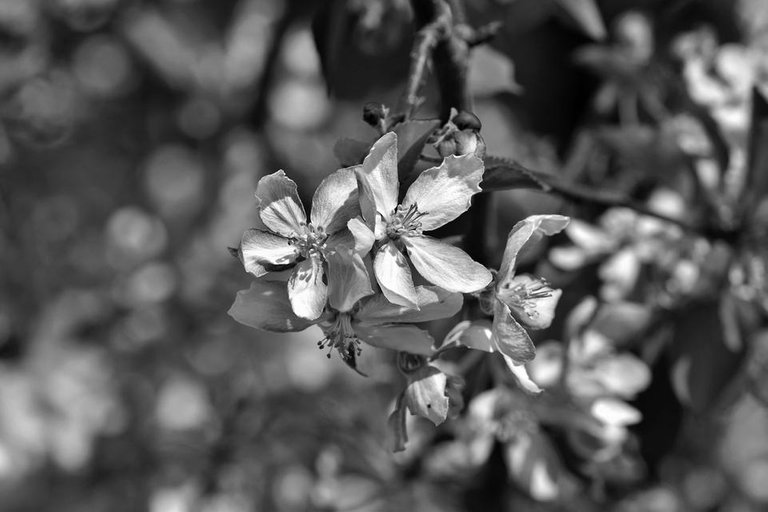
[{"x": 354, "y": 267}]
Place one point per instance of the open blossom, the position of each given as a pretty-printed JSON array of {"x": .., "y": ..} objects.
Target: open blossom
[
  {"x": 517, "y": 302},
  {"x": 624, "y": 241},
  {"x": 438, "y": 196},
  {"x": 598, "y": 378},
  {"x": 373, "y": 320},
  {"x": 311, "y": 248}
]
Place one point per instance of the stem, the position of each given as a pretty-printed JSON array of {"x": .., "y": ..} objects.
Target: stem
[
  {"x": 433, "y": 17},
  {"x": 579, "y": 194},
  {"x": 437, "y": 39}
]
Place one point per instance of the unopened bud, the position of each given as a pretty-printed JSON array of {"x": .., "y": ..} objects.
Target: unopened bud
[
  {"x": 467, "y": 121},
  {"x": 470, "y": 142},
  {"x": 447, "y": 147},
  {"x": 374, "y": 113}
]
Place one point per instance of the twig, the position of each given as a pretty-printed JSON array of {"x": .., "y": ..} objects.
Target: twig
[{"x": 434, "y": 18}]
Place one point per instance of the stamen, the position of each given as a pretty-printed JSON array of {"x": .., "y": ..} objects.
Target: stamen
[
  {"x": 405, "y": 220},
  {"x": 311, "y": 241},
  {"x": 526, "y": 293},
  {"x": 341, "y": 336}
]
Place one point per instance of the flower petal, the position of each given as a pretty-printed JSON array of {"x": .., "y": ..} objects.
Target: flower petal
[
  {"x": 307, "y": 290},
  {"x": 547, "y": 368},
  {"x": 521, "y": 376},
  {"x": 527, "y": 232},
  {"x": 619, "y": 274},
  {"x": 394, "y": 276},
  {"x": 445, "y": 265},
  {"x": 477, "y": 335},
  {"x": 425, "y": 394},
  {"x": 511, "y": 338},
  {"x": 443, "y": 193},
  {"x": 593, "y": 239},
  {"x": 335, "y": 201},
  {"x": 348, "y": 280},
  {"x": 261, "y": 249},
  {"x": 615, "y": 412},
  {"x": 279, "y": 205},
  {"x": 403, "y": 338},
  {"x": 623, "y": 375},
  {"x": 571, "y": 257},
  {"x": 535, "y": 467},
  {"x": 363, "y": 235},
  {"x": 265, "y": 305},
  {"x": 534, "y": 306},
  {"x": 433, "y": 303},
  {"x": 377, "y": 179}
]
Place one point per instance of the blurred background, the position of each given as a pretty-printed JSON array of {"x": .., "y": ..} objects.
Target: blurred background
[{"x": 132, "y": 134}]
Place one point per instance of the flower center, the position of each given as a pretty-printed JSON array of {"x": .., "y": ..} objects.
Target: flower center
[
  {"x": 524, "y": 295},
  {"x": 404, "y": 221},
  {"x": 312, "y": 241},
  {"x": 340, "y": 335}
]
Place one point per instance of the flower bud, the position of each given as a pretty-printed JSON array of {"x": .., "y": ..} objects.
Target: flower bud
[
  {"x": 469, "y": 142},
  {"x": 467, "y": 121},
  {"x": 374, "y": 113},
  {"x": 446, "y": 147}
]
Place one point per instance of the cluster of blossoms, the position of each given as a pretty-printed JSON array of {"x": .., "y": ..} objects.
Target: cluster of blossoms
[
  {"x": 355, "y": 267},
  {"x": 589, "y": 382},
  {"x": 729, "y": 82},
  {"x": 631, "y": 247}
]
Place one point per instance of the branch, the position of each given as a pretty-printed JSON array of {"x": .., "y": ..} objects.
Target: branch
[
  {"x": 435, "y": 21},
  {"x": 502, "y": 174},
  {"x": 443, "y": 38}
]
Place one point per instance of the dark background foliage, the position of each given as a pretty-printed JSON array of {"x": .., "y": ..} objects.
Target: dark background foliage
[{"x": 132, "y": 134}]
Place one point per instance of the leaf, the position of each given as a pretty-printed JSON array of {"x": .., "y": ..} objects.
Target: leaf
[
  {"x": 703, "y": 365},
  {"x": 757, "y": 368},
  {"x": 491, "y": 72},
  {"x": 350, "y": 151},
  {"x": 265, "y": 306},
  {"x": 523, "y": 16},
  {"x": 585, "y": 15},
  {"x": 411, "y": 137},
  {"x": 349, "y": 39},
  {"x": 504, "y": 174},
  {"x": 756, "y": 185}
]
